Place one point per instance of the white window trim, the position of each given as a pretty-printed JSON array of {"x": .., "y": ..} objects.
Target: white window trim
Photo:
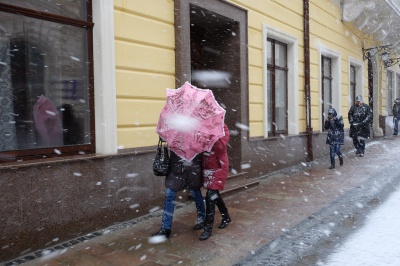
[
  {"x": 336, "y": 79},
  {"x": 293, "y": 80},
  {"x": 104, "y": 77},
  {"x": 359, "y": 65}
]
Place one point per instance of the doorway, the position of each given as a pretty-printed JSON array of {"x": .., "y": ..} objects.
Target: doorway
[{"x": 211, "y": 53}]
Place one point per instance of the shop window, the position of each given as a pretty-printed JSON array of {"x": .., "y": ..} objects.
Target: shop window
[
  {"x": 46, "y": 78},
  {"x": 277, "y": 89}
]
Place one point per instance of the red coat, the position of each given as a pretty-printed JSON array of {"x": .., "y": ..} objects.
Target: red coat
[{"x": 216, "y": 164}]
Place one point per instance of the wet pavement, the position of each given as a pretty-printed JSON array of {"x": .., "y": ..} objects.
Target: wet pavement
[{"x": 260, "y": 215}]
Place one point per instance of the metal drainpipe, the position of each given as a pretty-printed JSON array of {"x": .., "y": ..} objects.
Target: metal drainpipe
[{"x": 306, "y": 19}]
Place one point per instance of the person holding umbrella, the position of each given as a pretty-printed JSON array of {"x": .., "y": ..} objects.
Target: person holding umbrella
[
  {"x": 215, "y": 172},
  {"x": 183, "y": 175},
  {"x": 191, "y": 122}
]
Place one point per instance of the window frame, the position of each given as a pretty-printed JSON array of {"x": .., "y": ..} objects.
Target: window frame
[
  {"x": 325, "y": 76},
  {"x": 273, "y": 67},
  {"x": 19, "y": 155},
  {"x": 359, "y": 80},
  {"x": 293, "y": 80},
  {"x": 336, "y": 80}
]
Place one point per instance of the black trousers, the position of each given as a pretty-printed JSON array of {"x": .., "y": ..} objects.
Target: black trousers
[{"x": 359, "y": 144}]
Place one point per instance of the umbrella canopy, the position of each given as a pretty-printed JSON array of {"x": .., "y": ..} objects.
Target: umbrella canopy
[{"x": 191, "y": 121}]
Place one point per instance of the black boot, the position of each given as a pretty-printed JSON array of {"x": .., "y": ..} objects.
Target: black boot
[
  {"x": 205, "y": 235},
  {"x": 341, "y": 160},
  {"x": 199, "y": 224},
  {"x": 163, "y": 232},
  {"x": 226, "y": 219},
  {"x": 210, "y": 213},
  {"x": 332, "y": 164}
]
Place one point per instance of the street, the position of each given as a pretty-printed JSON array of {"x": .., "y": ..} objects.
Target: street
[{"x": 297, "y": 216}]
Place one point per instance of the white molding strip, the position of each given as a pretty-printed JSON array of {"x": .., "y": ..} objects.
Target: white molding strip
[{"x": 104, "y": 77}]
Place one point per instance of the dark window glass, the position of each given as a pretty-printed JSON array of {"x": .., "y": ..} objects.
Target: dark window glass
[
  {"x": 45, "y": 95},
  {"x": 277, "y": 87}
]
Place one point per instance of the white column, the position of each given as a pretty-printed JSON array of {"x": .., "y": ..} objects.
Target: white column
[
  {"x": 104, "y": 77},
  {"x": 377, "y": 131}
]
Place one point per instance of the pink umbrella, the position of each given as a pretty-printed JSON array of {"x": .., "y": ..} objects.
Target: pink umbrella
[{"x": 191, "y": 121}]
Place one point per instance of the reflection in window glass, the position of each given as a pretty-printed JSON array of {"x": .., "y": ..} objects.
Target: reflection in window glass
[
  {"x": 270, "y": 102},
  {"x": 280, "y": 100},
  {"x": 269, "y": 53},
  {"x": 398, "y": 85},
  {"x": 44, "y": 84},
  {"x": 326, "y": 87},
  {"x": 280, "y": 55},
  {"x": 353, "y": 84},
  {"x": 389, "y": 92},
  {"x": 67, "y": 8}
]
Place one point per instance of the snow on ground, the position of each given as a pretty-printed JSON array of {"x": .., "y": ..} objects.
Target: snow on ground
[{"x": 377, "y": 243}]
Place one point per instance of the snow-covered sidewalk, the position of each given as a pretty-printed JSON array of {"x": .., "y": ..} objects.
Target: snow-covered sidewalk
[{"x": 377, "y": 243}]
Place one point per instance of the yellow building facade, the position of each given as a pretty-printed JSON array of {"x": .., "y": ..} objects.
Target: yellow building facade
[
  {"x": 288, "y": 62},
  {"x": 145, "y": 63}
]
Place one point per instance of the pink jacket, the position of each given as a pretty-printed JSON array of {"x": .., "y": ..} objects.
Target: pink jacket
[{"x": 216, "y": 164}]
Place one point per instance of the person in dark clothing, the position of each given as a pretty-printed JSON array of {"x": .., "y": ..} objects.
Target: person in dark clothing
[
  {"x": 360, "y": 117},
  {"x": 72, "y": 129},
  {"x": 215, "y": 172},
  {"x": 183, "y": 175},
  {"x": 396, "y": 116},
  {"x": 335, "y": 138}
]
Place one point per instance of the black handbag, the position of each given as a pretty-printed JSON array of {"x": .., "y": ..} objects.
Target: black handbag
[{"x": 161, "y": 162}]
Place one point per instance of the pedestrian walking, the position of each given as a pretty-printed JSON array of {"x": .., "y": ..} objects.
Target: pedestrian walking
[
  {"x": 360, "y": 117},
  {"x": 215, "y": 172},
  {"x": 183, "y": 175},
  {"x": 334, "y": 124},
  {"x": 396, "y": 116}
]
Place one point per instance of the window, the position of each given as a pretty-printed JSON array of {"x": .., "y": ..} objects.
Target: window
[
  {"x": 277, "y": 87},
  {"x": 389, "y": 87},
  {"x": 353, "y": 83},
  {"x": 46, "y": 78},
  {"x": 326, "y": 86},
  {"x": 397, "y": 85}
]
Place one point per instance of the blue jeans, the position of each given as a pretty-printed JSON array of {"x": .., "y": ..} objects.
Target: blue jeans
[
  {"x": 169, "y": 206},
  {"x": 334, "y": 149},
  {"x": 396, "y": 126}
]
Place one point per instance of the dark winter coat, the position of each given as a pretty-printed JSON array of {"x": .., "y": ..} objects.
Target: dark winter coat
[
  {"x": 216, "y": 164},
  {"x": 396, "y": 108},
  {"x": 335, "y": 130},
  {"x": 360, "y": 118},
  {"x": 184, "y": 174}
]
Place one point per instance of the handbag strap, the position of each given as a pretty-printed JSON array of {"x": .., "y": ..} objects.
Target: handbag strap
[{"x": 161, "y": 142}]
